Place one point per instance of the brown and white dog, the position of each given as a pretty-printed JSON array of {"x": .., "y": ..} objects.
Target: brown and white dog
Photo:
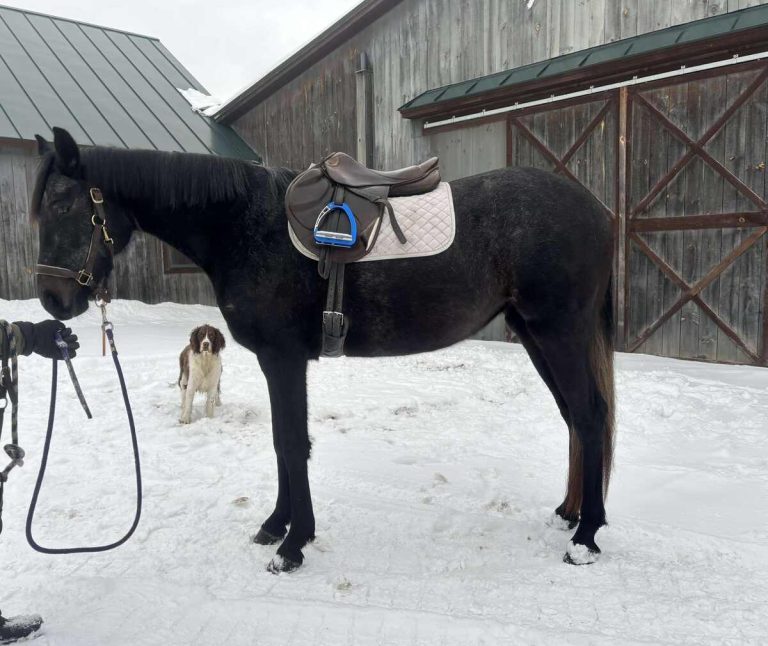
[{"x": 200, "y": 370}]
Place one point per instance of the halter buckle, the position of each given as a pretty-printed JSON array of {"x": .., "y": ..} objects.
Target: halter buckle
[
  {"x": 84, "y": 278},
  {"x": 104, "y": 231},
  {"x": 96, "y": 196}
]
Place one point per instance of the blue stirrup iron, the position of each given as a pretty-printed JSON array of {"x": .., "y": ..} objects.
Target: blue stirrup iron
[{"x": 336, "y": 238}]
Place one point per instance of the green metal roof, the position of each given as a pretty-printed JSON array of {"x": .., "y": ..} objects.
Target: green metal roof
[
  {"x": 699, "y": 30},
  {"x": 107, "y": 87}
]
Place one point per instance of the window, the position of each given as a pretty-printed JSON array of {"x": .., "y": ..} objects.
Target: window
[{"x": 175, "y": 262}]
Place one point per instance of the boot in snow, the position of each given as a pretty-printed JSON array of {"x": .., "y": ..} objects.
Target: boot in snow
[{"x": 14, "y": 628}]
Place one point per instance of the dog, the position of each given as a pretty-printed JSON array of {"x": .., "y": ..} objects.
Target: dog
[{"x": 200, "y": 370}]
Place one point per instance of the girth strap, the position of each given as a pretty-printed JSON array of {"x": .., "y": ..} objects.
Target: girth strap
[
  {"x": 335, "y": 325},
  {"x": 393, "y": 221}
]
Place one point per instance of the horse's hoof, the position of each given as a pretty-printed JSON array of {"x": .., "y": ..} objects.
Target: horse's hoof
[
  {"x": 556, "y": 521},
  {"x": 577, "y": 554},
  {"x": 281, "y": 564},
  {"x": 266, "y": 538},
  {"x": 569, "y": 521}
]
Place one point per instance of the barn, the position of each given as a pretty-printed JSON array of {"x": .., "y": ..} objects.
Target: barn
[
  {"x": 107, "y": 87},
  {"x": 659, "y": 108}
]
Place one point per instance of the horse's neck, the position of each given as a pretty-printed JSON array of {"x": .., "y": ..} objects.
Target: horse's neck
[
  {"x": 188, "y": 201},
  {"x": 186, "y": 231}
]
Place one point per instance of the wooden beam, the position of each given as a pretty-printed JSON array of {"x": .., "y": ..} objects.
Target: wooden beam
[
  {"x": 621, "y": 283},
  {"x": 743, "y": 220}
]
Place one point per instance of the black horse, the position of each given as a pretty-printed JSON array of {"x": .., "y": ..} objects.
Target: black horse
[{"x": 530, "y": 244}]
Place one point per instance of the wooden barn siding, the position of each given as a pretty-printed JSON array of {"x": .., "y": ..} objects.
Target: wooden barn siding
[
  {"x": 422, "y": 44},
  {"x": 138, "y": 270},
  {"x": 18, "y": 242}
]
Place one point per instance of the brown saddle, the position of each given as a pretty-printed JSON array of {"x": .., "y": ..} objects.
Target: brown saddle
[
  {"x": 339, "y": 179},
  {"x": 336, "y": 207}
]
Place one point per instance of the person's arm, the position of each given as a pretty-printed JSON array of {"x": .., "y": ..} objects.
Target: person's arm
[{"x": 17, "y": 335}]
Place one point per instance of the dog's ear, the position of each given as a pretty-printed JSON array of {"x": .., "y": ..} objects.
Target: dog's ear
[
  {"x": 219, "y": 342},
  {"x": 193, "y": 340}
]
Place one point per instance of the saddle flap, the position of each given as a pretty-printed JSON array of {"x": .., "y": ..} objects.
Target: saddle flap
[{"x": 308, "y": 195}]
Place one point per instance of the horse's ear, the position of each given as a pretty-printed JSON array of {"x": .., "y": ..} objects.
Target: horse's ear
[
  {"x": 67, "y": 152},
  {"x": 42, "y": 146}
]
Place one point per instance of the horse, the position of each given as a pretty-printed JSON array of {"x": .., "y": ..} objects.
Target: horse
[{"x": 529, "y": 244}]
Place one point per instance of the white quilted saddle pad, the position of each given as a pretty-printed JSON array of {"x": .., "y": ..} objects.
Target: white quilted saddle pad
[{"x": 428, "y": 222}]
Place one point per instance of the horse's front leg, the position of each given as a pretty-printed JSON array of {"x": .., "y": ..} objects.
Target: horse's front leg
[{"x": 287, "y": 381}]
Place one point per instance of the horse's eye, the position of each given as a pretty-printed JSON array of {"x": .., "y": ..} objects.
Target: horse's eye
[{"x": 61, "y": 209}]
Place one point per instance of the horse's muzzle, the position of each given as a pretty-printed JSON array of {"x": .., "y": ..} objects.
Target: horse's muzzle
[{"x": 62, "y": 299}]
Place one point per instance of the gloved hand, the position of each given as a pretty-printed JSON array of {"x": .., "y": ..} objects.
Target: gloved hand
[{"x": 40, "y": 338}]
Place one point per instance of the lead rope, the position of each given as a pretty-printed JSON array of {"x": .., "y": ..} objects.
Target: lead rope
[
  {"x": 108, "y": 329},
  {"x": 9, "y": 390}
]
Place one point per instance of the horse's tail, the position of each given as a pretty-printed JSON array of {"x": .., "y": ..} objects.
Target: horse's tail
[
  {"x": 601, "y": 359},
  {"x": 601, "y": 363}
]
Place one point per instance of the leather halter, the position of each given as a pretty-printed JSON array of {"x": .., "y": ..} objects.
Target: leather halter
[{"x": 85, "y": 277}]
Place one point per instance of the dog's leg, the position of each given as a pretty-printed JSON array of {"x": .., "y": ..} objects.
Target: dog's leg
[
  {"x": 183, "y": 380},
  {"x": 188, "y": 398},
  {"x": 218, "y": 393},
  {"x": 210, "y": 401}
]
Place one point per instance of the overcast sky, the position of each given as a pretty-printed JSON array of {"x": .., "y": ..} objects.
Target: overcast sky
[{"x": 226, "y": 45}]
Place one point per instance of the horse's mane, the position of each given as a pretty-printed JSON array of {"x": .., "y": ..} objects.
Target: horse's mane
[{"x": 165, "y": 179}]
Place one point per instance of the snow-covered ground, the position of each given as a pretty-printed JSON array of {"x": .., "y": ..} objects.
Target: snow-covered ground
[{"x": 433, "y": 477}]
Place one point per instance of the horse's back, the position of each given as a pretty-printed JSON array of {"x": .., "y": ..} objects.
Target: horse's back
[{"x": 521, "y": 234}]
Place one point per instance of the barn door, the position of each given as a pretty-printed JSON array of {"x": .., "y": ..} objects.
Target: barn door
[{"x": 697, "y": 217}]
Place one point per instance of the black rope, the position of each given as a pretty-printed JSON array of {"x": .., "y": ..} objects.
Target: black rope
[
  {"x": 44, "y": 462},
  {"x": 9, "y": 392}
]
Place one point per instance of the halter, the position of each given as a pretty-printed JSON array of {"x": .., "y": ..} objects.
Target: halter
[{"x": 85, "y": 277}]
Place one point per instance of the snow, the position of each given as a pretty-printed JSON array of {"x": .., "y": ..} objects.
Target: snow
[
  {"x": 202, "y": 103},
  {"x": 433, "y": 479}
]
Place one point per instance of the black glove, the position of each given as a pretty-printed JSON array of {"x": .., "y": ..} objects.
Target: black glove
[{"x": 40, "y": 338}]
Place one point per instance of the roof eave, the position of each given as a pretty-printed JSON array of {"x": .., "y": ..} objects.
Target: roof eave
[
  {"x": 743, "y": 42},
  {"x": 332, "y": 38}
]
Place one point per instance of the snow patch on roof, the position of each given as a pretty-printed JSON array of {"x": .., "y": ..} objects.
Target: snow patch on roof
[{"x": 202, "y": 103}]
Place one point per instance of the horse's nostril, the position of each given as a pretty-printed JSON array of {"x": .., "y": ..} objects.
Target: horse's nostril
[{"x": 51, "y": 301}]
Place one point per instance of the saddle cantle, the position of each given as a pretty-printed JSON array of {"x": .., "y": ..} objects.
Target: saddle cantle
[{"x": 336, "y": 207}]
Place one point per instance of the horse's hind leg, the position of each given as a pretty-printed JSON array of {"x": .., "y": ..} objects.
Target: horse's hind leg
[
  {"x": 579, "y": 356},
  {"x": 568, "y": 510}
]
